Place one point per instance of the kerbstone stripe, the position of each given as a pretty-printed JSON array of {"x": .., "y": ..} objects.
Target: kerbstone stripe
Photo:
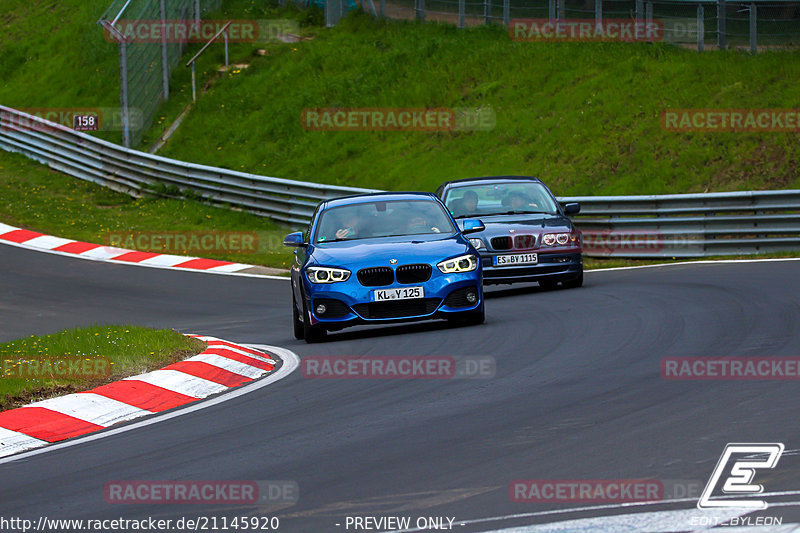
[
  {"x": 229, "y": 364},
  {"x": 73, "y": 415},
  {"x": 14, "y": 442},
  {"x": 181, "y": 382},
  {"x": 92, "y": 408},
  {"x": 30, "y": 239},
  {"x": 48, "y": 242}
]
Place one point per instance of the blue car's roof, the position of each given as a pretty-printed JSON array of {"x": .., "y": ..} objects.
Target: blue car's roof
[{"x": 385, "y": 196}]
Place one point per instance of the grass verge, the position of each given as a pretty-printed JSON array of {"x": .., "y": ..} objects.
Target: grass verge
[
  {"x": 131, "y": 350},
  {"x": 33, "y": 196}
]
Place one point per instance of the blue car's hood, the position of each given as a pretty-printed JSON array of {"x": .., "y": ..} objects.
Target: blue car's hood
[{"x": 377, "y": 252}]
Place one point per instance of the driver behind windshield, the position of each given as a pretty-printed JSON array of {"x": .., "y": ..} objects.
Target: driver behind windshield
[
  {"x": 466, "y": 205},
  {"x": 469, "y": 202},
  {"x": 423, "y": 221},
  {"x": 351, "y": 224},
  {"x": 519, "y": 201}
]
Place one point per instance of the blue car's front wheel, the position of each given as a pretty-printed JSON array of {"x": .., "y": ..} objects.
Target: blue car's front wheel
[
  {"x": 310, "y": 332},
  {"x": 299, "y": 333}
]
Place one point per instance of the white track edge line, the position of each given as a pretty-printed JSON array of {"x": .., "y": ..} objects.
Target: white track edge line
[
  {"x": 290, "y": 363},
  {"x": 698, "y": 262},
  {"x": 605, "y": 507}
]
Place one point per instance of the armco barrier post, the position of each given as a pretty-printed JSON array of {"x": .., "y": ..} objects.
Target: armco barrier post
[
  {"x": 123, "y": 93},
  {"x": 562, "y": 10},
  {"x": 507, "y": 12},
  {"x": 639, "y": 11},
  {"x": 164, "y": 57},
  {"x": 701, "y": 28},
  {"x": 487, "y": 11},
  {"x": 551, "y": 10},
  {"x": 721, "y": 24},
  {"x": 462, "y": 18},
  {"x": 753, "y": 29},
  {"x": 598, "y": 12}
]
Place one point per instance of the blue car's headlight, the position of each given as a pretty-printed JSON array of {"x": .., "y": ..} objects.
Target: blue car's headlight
[
  {"x": 464, "y": 263},
  {"x": 327, "y": 274}
]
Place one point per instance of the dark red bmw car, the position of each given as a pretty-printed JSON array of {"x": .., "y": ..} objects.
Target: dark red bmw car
[{"x": 528, "y": 235}]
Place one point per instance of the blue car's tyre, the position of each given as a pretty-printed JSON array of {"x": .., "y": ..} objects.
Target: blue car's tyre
[
  {"x": 299, "y": 333},
  {"x": 311, "y": 333}
]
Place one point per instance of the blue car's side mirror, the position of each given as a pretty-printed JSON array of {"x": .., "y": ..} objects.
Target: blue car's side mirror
[
  {"x": 572, "y": 208},
  {"x": 472, "y": 225},
  {"x": 294, "y": 239}
]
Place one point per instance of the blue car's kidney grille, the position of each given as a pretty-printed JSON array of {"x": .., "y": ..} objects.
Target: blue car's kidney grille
[
  {"x": 398, "y": 308},
  {"x": 502, "y": 243},
  {"x": 413, "y": 273},
  {"x": 376, "y": 276}
]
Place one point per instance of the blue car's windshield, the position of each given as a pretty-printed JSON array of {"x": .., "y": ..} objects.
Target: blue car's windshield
[
  {"x": 383, "y": 219},
  {"x": 497, "y": 198}
]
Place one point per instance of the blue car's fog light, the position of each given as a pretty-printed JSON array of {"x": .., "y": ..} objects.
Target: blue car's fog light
[{"x": 321, "y": 309}]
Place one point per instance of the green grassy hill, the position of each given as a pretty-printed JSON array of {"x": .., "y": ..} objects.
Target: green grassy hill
[{"x": 583, "y": 116}]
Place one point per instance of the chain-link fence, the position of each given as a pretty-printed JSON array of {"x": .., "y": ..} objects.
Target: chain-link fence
[
  {"x": 696, "y": 23},
  {"x": 145, "y": 63}
]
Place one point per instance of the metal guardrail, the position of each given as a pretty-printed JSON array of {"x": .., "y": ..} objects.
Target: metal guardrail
[
  {"x": 675, "y": 225},
  {"x": 136, "y": 173},
  {"x": 690, "y": 225}
]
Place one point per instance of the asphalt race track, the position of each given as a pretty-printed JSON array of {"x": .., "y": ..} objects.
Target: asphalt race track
[{"x": 577, "y": 394}]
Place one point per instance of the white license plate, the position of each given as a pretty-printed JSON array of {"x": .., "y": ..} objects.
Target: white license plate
[
  {"x": 404, "y": 293},
  {"x": 515, "y": 259}
]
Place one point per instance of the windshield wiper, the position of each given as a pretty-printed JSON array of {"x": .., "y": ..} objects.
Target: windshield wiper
[{"x": 517, "y": 212}]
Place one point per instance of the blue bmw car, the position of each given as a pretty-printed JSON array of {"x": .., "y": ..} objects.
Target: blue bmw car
[
  {"x": 383, "y": 258},
  {"x": 528, "y": 235}
]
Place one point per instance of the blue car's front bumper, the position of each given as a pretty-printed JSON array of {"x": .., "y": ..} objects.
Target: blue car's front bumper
[{"x": 349, "y": 302}]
